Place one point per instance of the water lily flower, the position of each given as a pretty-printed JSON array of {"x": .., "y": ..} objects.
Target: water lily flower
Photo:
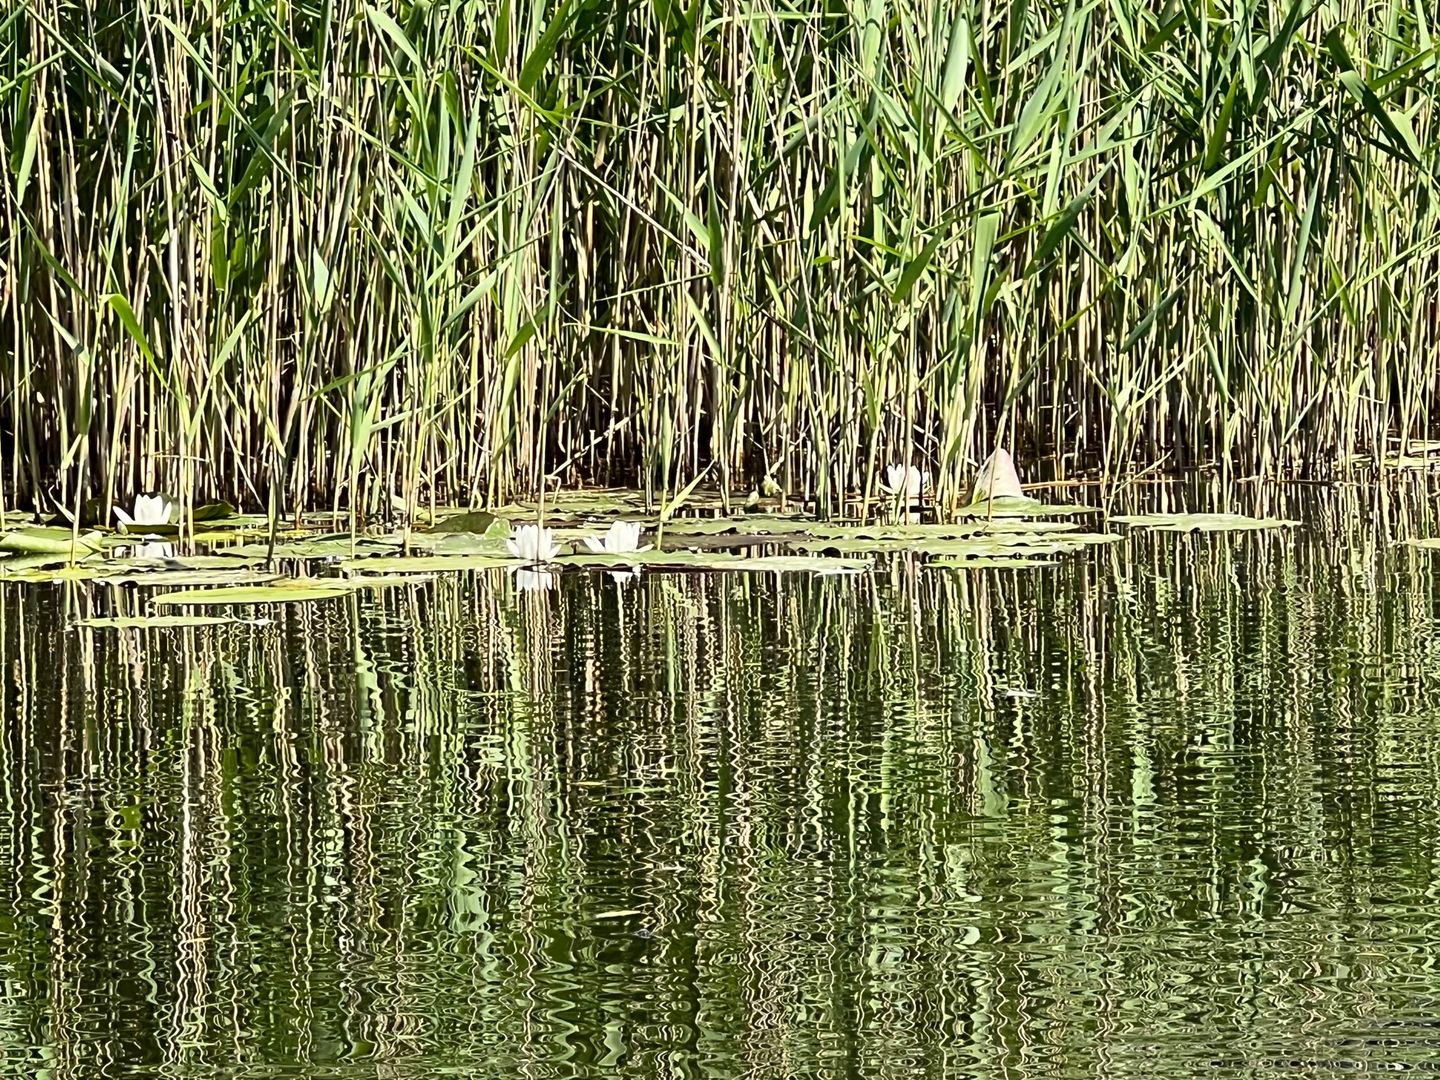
[
  {"x": 904, "y": 480},
  {"x": 533, "y": 543},
  {"x": 154, "y": 509},
  {"x": 623, "y": 538}
]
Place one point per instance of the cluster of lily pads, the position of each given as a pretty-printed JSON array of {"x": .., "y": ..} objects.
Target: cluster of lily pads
[{"x": 240, "y": 558}]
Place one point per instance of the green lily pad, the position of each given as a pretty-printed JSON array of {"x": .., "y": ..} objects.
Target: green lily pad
[
  {"x": 991, "y": 562},
  {"x": 425, "y": 564},
  {"x": 750, "y": 524},
  {"x": 289, "y": 592},
  {"x": 332, "y": 546},
  {"x": 143, "y": 564},
  {"x": 238, "y": 576},
  {"x": 148, "y": 622},
  {"x": 982, "y": 545},
  {"x": 477, "y": 522},
  {"x": 49, "y": 540},
  {"x": 385, "y": 581},
  {"x": 1202, "y": 522},
  {"x": 1013, "y": 507},
  {"x": 463, "y": 544},
  {"x": 213, "y": 511},
  {"x": 49, "y": 568},
  {"x": 719, "y": 560}
]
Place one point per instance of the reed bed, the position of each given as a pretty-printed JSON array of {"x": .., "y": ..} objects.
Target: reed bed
[{"x": 315, "y": 254}]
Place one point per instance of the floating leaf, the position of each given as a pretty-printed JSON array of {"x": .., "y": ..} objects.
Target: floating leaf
[
  {"x": 143, "y": 564},
  {"x": 49, "y": 540},
  {"x": 147, "y": 622},
  {"x": 1202, "y": 522},
  {"x": 479, "y": 522},
  {"x": 425, "y": 564},
  {"x": 289, "y": 592},
  {"x": 48, "y": 568},
  {"x": 213, "y": 511},
  {"x": 385, "y": 581},
  {"x": 238, "y": 576},
  {"x": 985, "y": 545},
  {"x": 464, "y": 544},
  {"x": 1425, "y": 543},
  {"x": 332, "y": 546},
  {"x": 1012, "y": 507},
  {"x": 991, "y": 562},
  {"x": 722, "y": 561}
]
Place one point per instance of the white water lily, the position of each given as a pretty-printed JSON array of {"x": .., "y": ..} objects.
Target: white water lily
[
  {"x": 904, "y": 480},
  {"x": 154, "y": 509},
  {"x": 533, "y": 543},
  {"x": 623, "y": 538}
]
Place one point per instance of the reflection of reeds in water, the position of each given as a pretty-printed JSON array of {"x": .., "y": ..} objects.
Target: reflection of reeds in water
[{"x": 1137, "y": 807}]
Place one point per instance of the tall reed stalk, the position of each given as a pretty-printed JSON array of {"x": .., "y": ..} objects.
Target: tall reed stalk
[{"x": 323, "y": 252}]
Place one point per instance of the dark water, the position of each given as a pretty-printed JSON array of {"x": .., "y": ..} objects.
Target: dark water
[{"x": 1171, "y": 809}]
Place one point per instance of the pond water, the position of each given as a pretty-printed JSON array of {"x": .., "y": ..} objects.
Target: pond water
[{"x": 1171, "y": 808}]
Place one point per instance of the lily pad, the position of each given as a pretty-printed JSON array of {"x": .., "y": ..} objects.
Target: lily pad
[
  {"x": 48, "y": 568},
  {"x": 320, "y": 547},
  {"x": 723, "y": 561},
  {"x": 213, "y": 511},
  {"x": 144, "y": 564},
  {"x": 238, "y": 576},
  {"x": 463, "y": 544},
  {"x": 748, "y": 523},
  {"x": 425, "y": 564},
  {"x": 385, "y": 581},
  {"x": 49, "y": 540},
  {"x": 147, "y": 622},
  {"x": 1202, "y": 522},
  {"x": 991, "y": 562},
  {"x": 1024, "y": 507},
  {"x": 478, "y": 522},
  {"x": 289, "y": 592},
  {"x": 983, "y": 545}
]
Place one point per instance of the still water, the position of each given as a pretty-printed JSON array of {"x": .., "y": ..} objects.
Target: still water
[{"x": 1169, "y": 809}]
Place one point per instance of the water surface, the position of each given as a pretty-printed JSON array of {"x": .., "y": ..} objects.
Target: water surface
[{"x": 1169, "y": 809}]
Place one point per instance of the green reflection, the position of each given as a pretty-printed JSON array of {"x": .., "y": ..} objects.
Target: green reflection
[{"x": 1166, "y": 808}]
